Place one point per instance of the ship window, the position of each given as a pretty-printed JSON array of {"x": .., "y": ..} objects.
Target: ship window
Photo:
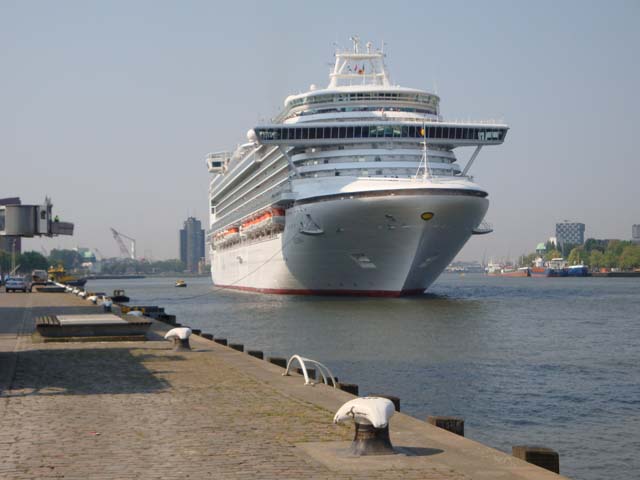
[
  {"x": 320, "y": 133},
  {"x": 337, "y": 174},
  {"x": 365, "y": 132},
  {"x": 438, "y": 132},
  {"x": 357, "y": 132},
  {"x": 458, "y": 133},
  {"x": 305, "y": 133},
  {"x": 343, "y": 132},
  {"x": 349, "y": 132},
  {"x": 327, "y": 132},
  {"x": 312, "y": 133},
  {"x": 334, "y": 132}
]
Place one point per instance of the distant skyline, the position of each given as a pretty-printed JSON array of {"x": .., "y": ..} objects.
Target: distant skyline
[{"x": 110, "y": 108}]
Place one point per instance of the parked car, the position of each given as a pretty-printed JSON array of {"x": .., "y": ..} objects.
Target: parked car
[
  {"x": 17, "y": 283},
  {"x": 39, "y": 277}
]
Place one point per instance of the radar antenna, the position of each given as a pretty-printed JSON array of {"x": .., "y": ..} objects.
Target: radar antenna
[{"x": 356, "y": 43}]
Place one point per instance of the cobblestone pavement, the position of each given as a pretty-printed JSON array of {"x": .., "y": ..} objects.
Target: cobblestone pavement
[{"x": 141, "y": 410}]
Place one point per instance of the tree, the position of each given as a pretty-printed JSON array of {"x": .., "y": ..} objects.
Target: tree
[
  {"x": 596, "y": 259},
  {"x": 32, "y": 261},
  {"x": 629, "y": 258},
  {"x": 69, "y": 259},
  {"x": 610, "y": 259},
  {"x": 578, "y": 256},
  {"x": 5, "y": 261},
  {"x": 552, "y": 254},
  {"x": 593, "y": 244}
]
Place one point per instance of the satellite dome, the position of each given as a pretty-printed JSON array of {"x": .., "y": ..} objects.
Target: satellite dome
[{"x": 251, "y": 136}]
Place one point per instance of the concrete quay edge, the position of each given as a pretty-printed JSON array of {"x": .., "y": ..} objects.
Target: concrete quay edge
[{"x": 450, "y": 456}]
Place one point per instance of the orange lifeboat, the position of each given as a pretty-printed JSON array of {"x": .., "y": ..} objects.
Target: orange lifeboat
[{"x": 263, "y": 220}]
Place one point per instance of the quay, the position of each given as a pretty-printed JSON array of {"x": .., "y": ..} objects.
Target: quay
[{"x": 139, "y": 409}]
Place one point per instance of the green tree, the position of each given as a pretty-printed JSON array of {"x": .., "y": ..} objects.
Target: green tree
[
  {"x": 629, "y": 258},
  {"x": 69, "y": 259},
  {"x": 610, "y": 259},
  {"x": 596, "y": 259},
  {"x": 593, "y": 244},
  {"x": 578, "y": 256},
  {"x": 552, "y": 254},
  {"x": 527, "y": 260},
  {"x": 5, "y": 261},
  {"x": 32, "y": 261}
]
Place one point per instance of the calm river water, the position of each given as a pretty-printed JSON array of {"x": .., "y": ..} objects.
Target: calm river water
[{"x": 554, "y": 362}]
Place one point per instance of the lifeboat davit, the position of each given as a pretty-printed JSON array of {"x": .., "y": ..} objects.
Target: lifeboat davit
[
  {"x": 263, "y": 220},
  {"x": 226, "y": 236}
]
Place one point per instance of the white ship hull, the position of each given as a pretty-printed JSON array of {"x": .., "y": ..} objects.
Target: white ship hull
[{"x": 366, "y": 244}]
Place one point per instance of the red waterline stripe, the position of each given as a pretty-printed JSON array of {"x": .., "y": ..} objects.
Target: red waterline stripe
[{"x": 295, "y": 291}]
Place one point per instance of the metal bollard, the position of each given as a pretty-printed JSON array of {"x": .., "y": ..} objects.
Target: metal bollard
[
  {"x": 540, "y": 456},
  {"x": 281, "y": 362},
  {"x": 451, "y": 424},
  {"x": 310, "y": 371},
  {"x": 237, "y": 346},
  {"x": 351, "y": 388},
  {"x": 256, "y": 353},
  {"x": 221, "y": 341},
  {"x": 393, "y": 398}
]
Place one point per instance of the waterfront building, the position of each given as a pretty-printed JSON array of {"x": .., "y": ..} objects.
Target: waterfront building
[
  {"x": 191, "y": 244},
  {"x": 570, "y": 233},
  {"x": 7, "y": 242},
  {"x": 635, "y": 233}
]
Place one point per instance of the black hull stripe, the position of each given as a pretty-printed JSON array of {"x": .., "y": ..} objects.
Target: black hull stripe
[{"x": 395, "y": 192}]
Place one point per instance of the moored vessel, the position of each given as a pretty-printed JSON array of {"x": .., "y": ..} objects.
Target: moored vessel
[
  {"x": 351, "y": 189},
  {"x": 58, "y": 274}
]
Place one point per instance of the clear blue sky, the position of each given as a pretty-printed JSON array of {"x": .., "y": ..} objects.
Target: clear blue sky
[{"x": 110, "y": 107}]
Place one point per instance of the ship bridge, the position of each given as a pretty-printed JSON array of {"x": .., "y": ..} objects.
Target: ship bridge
[{"x": 448, "y": 134}]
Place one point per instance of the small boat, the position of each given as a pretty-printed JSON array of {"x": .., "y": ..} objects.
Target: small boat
[
  {"x": 119, "y": 296},
  {"x": 181, "y": 284},
  {"x": 59, "y": 275}
]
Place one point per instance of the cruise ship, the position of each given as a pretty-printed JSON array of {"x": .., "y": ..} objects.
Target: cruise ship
[{"x": 353, "y": 189}]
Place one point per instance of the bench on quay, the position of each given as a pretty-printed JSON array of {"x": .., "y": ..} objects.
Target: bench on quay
[{"x": 104, "y": 326}]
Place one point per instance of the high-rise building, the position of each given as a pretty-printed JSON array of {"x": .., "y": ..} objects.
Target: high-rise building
[
  {"x": 635, "y": 233},
  {"x": 570, "y": 233},
  {"x": 7, "y": 242},
  {"x": 191, "y": 244}
]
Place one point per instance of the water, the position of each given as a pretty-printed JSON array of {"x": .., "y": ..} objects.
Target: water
[{"x": 553, "y": 362}]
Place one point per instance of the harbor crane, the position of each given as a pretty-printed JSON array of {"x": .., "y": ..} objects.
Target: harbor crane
[{"x": 127, "y": 252}]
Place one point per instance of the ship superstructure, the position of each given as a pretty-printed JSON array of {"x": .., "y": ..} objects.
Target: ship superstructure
[{"x": 351, "y": 189}]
